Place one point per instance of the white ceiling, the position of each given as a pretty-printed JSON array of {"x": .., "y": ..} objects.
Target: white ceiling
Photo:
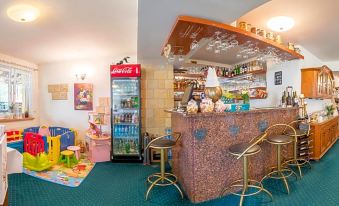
[
  {"x": 316, "y": 26},
  {"x": 71, "y": 30},
  {"x": 156, "y": 18}
]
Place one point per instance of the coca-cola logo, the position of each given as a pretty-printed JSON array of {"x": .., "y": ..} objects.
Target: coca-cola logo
[{"x": 125, "y": 70}]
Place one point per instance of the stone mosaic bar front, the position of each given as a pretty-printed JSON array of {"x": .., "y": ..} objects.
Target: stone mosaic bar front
[{"x": 201, "y": 159}]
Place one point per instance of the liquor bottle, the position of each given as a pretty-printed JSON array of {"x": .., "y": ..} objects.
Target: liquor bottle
[
  {"x": 289, "y": 100},
  {"x": 283, "y": 100},
  {"x": 295, "y": 99},
  {"x": 226, "y": 73}
]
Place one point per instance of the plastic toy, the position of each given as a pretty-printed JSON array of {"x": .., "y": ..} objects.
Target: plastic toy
[
  {"x": 13, "y": 135},
  {"x": 33, "y": 143},
  {"x": 93, "y": 130},
  {"x": 54, "y": 149},
  {"x": 36, "y": 163},
  {"x": 44, "y": 131},
  {"x": 76, "y": 150},
  {"x": 67, "y": 135},
  {"x": 68, "y": 157}
]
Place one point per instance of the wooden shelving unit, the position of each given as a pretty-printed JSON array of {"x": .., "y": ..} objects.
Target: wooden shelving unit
[
  {"x": 189, "y": 75},
  {"x": 245, "y": 74}
]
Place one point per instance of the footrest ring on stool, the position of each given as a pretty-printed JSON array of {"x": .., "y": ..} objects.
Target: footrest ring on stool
[{"x": 169, "y": 179}]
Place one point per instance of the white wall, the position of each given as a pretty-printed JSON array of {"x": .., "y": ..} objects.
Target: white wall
[
  {"x": 291, "y": 76},
  {"x": 34, "y": 107},
  {"x": 61, "y": 112},
  {"x": 334, "y": 65}
]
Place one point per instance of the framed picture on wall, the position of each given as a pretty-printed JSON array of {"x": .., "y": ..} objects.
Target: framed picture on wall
[
  {"x": 83, "y": 96},
  {"x": 278, "y": 78}
]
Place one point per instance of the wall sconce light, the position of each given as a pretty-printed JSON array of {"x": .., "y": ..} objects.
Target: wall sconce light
[{"x": 81, "y": 76}]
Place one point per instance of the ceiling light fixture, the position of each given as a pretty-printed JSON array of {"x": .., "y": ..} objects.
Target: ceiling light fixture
[
  {"x": 23, "y": 13},
  {"x": 280, "y": 23}
]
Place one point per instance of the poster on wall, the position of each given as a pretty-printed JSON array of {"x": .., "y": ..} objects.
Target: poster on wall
[
  {"x": 83, "y": 96},
  {"x": 278, "y": 78}
]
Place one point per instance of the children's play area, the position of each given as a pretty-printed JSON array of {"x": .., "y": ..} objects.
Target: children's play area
[{"x": 50, "y": 153}]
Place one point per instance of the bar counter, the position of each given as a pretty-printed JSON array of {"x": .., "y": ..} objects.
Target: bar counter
[{"x": 201, "y": 159}]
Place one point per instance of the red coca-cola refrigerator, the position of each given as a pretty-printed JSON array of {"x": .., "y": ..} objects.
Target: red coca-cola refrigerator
[{"x": 126, "y": 113}]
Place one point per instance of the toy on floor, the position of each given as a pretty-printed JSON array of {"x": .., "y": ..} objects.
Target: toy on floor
[
  {"x": 67, "y": 135},
  {"x": 68, "y": 157},
  {"x": 34, "y": 157},
  {"x": 54, "y": 149},
  {"x": 76, "y": 150},
  {"x": 33, "y": 143},
  {"x": 36, "y": 163}
]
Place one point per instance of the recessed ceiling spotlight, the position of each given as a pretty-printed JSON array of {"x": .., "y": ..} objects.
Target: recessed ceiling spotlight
[
  {"x": 280, "y": 23},
  {"x": 23, "y": 13}
]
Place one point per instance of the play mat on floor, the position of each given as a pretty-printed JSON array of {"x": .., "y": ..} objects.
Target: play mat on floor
[{"x": 60, "y": 174}]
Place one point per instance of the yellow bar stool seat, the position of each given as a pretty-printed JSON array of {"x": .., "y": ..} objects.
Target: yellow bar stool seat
[
  {"x": 278, "y": 140},
  {"x": 244, "y": 151},
  {"x": 162, "y": 178}
]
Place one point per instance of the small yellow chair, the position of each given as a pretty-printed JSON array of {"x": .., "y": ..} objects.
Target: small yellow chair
[
  {"x": 54, "y": 149},
  {"x": 68, "y": 157}
]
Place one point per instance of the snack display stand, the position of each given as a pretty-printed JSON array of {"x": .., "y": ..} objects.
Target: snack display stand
[{"x": 3, "y": 169}]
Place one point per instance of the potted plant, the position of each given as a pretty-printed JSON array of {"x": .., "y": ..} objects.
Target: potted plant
[
  {"x": 329, "y": 110},
  {"x": 245, "y": 96}
]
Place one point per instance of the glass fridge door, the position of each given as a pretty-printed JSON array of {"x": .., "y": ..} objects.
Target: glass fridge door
[{"x": 126, "y": 117}]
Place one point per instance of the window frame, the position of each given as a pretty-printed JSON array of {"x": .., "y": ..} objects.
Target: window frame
[{"x": 27, "y": 74}]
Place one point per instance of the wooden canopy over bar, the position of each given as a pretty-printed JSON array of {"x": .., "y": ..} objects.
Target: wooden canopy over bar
[{"x": 181, "y": 37}]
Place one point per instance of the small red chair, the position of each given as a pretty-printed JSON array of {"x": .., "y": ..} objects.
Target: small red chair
[{"x": 33, "y": 143}]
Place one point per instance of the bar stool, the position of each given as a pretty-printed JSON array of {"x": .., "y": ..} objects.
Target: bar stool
[
  {"x": 163, "y": 178},
  {"x": 278, "y": 172},
  {"x": 302, "y": 130},
  {"x": 244, "y": 151}
]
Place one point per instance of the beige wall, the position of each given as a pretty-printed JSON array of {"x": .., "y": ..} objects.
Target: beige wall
[
  {"x": 156, "y": 96},
  {"x": 34, "y": 107}
]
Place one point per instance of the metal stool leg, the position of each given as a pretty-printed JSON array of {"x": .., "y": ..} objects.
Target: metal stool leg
[
  {"x": 162, "y": 177},
  {"x": 245, "y": 183}
]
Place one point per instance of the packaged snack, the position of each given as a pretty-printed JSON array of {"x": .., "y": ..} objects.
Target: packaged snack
[
  {"x": 219, "y": 106},
  {"x": 207, "y": 105},
  {"x": 192, "y": 107}
]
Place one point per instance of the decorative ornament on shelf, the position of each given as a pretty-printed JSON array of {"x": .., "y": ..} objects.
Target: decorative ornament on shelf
[{"x": 212, "y": 86}]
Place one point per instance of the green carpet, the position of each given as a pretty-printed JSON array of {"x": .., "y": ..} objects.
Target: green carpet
[{"x": 124, "y": 185}]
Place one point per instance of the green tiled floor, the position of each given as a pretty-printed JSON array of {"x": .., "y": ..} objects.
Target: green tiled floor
[{"x": 124, "y": 185}]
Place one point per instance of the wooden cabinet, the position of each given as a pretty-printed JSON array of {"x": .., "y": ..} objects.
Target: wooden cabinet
[
  {"x": 317, "y": 82},
  {"x": 323, "y": 136}
]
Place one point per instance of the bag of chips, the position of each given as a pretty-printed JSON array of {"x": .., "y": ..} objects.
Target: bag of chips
[{"x": 192, "y": 107}]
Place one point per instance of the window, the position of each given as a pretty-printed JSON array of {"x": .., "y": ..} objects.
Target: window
[{"x": 15, "y": 90}]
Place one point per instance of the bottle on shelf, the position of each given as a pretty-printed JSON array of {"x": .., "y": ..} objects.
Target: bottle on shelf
[
  {"x": 283, "y": 100},
  {"x": 289, "y": 100},
  {"x": 295, "y": 99}
]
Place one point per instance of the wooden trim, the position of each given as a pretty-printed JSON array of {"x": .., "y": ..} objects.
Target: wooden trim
[
  {"x": 5, "y": 203},
  {"x": 318, "y": 158},
  {"x": 16, "y": 120},
  {"x": 212, "y": 26},
  {"x": 323, "y": 122}
]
